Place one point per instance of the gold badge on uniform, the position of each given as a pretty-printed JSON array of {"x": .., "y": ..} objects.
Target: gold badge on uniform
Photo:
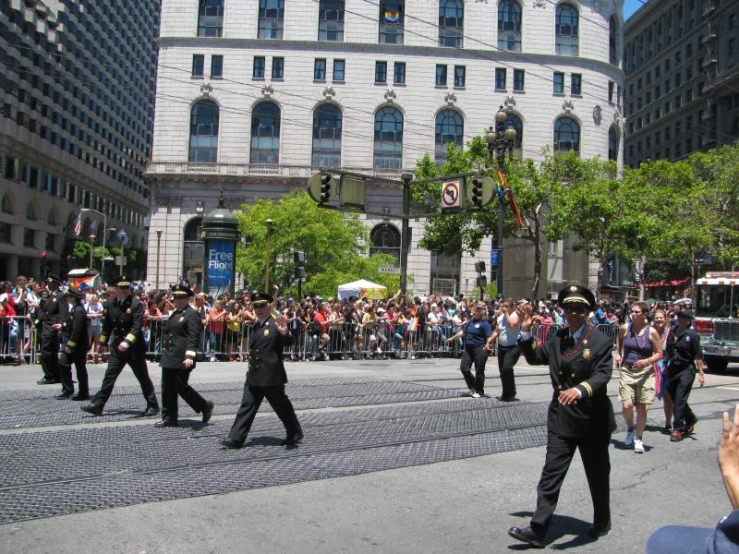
[
  {"x": 128, "y": 311},
  {"x": 585, "y": 350},
  {"x": 266, "y": 332},
  {"x": 182, "y": 318}
]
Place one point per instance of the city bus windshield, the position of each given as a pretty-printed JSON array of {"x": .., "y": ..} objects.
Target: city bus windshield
[{"x": 717, "y": 300}]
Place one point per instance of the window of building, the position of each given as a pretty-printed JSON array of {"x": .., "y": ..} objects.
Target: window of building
[
  {"x": 278, "y": 68},
  {"x": 566, "y": 30},
  {"x": 613, "y": 142},
  {"x": 331, "y": 20},
  {"x": 518, "y": 79},
  {"x": 612, "y": 34},
  {"x": 512, "y": 120},
  {"x": 566, "y": 135},
  {"x": 440, "y": 75},
  {"x": 4, "y": 232},
  {"x": 451, "y": 23},
  {"x": 559, "y": 83},
  {"x": 460, "y": 75},
  {"x": 385, "y": 239},
  {"x": 449, "y": 129},
  {"x": 265, "y": 134},
  {"x": 509, "y": 26},
  {"x": 339, "y": 70},
  {"x": 198, "y": 65},
  {"x": 29, "y": 238},
  {"x": 204, "y": 121},
  {"x": 257, "y": 71},
  {"x": 399, "y": 73},
  {"x": 210, "y": 18},
  {"x": 576, "y": 84},
  {"x": 7, "y": 206},
  {"x": 319, "y": 69},
  {"x": 611, "y": 86},
  {"x": 30, "y": 212},
  {"x": 500, "y": 78},
  {"x": 271, "y": 19},
  {"x": 216, "y": 67},
  {"x": 388, "y": 146},
  {"x": 380, "y": 72},
  {"x": 689, "y": 94},
  {"x": 327, "y": 123},
  {"x": 391, "y": 21}
]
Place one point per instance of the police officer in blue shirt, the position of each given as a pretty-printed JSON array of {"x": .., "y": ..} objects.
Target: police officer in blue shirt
[{"x": 477, "y": 334}]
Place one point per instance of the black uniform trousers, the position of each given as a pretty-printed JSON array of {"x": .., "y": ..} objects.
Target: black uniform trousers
[
  {"x": 478, "y": 356},
  {"x": 507, "y": 358},
  {"x": 50, "y": 354},
  {"x": 679, "y": 385},
  {"x": 595, "y": 459},
  {"x": 174, "y": 384},
  {"x": 79, "y": 359},
  {"x": 250, "y": 403},
  {"x": 117, "y": 361}
]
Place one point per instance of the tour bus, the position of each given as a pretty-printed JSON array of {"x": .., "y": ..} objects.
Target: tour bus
[{"x": 717, "y": 318}]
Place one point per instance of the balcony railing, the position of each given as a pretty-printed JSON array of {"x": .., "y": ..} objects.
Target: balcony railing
[{"x": 263, "y": 170}]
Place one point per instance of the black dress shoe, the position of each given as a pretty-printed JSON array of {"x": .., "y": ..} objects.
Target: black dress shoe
[
  {"x": 528, "y": 535},
  {"x": 64, "y": 396},
  {"x": 148, "y": 412},
  {"x": 79, "y": 397},
  {"x": 230, "y": 444},
  {"x": 293, "y": 439},
  {"x": 92, "y": 409},
  {"x": 46, "y": 381},
  {"x": 600, "y": 530},
  {"x": 166, "y": 423},
  {"x": 508, "y": 399},
  {"x": 208, "y": 411}
]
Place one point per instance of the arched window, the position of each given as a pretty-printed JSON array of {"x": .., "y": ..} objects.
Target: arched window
[
  {"x": 613, "y": 142},
  {"x": 612, "y": 33},
  {"x": 210, "y": 18},
  {"x": 7, "y": 207},
  {"x": 449, "y": 128},
  {"x": 566, "y": 135},
  {"x": 566, "y": 30},
  {"x": 385, "y": 239},
  {"x": 509, "y": 25},
  {"x": 326, "y": 136},
  {"x": 192, "y": 259},
  {"x": 51, "y": 218},
  {"x": 331, "y": 20},
  {"x": 451, "y": 23},
  {"x": 204, "y": 121},
  {"x": 388, "y": 139},
  {"x": 265, "y": 134},
  {"x": 515, "y": 121},
  {"x": 30, "y": 212}
]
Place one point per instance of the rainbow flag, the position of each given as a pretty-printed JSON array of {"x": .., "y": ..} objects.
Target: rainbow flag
[
  {"x": 392, "y": 16},
  {"x": 86, "y": 283}
]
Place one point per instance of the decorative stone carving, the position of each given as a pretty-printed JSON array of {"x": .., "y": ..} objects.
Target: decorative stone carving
[
  {"x": 597, "y": 114},
  {"x": 390, "y": 96},
  {"x": 568, "y": 106},
  {"x": 450, "y": 98},
  {"x": 206, "y": 88},
  {"x": 267, "y": 90},
  {"x": 509, "y": 103},
  {"x": 329, "y": 92},
  {"x": 540, "y": 4}
]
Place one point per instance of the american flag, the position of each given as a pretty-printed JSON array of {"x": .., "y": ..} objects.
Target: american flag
[{"x": 78, "y": 225}]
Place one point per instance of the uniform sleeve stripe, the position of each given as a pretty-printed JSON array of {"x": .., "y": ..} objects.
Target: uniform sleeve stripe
[
  {"x": 130, "y": 338},
  {"x": 588, "y": 389},
  {"x": 191, "y": 353},
  {"x": 71, "y": 344}
]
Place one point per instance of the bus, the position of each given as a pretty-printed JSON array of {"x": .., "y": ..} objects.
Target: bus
[{"x": 717, "y": 318}]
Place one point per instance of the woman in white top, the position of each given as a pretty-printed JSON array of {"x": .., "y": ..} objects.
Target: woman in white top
[
  {"x": 507, "y": 330},
  {"x": 95, "y": 327}
]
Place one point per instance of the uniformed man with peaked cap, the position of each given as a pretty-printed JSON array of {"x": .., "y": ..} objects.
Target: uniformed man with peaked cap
[
  {"x": 266, "y": 376},
  {"x": 50, "y": 317},
  {"x": 580, "y": 415},
  {"x": 123, "y": 321},
  {"x": 180, "y": 341},
  {"x": 75, "y": 351}
]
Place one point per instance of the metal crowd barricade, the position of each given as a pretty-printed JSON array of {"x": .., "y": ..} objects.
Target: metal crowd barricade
[
  {"x": 609, "y": 330},
  {"x": 17, "y": 340}
]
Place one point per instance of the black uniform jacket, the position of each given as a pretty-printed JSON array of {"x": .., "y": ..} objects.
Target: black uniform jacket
[
  {"x": 124, "y": 323},
  {"x": 51, "y": 311},
  {"x": 181, "y": 337},
  {"x": 266, "y": 366},
  {"x": 587, "y": 366},
  {"x": 76, "y": 329}
]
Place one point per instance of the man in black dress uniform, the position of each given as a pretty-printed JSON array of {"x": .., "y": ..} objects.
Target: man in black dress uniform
[
  {"x": 266, "y": 376},
  {"x": 580, "y": 414},
  {"x": 75, "y": 351},
  {"x": 180, "y": 341},
  {"x": 122, "y": 324},
  {"x": 50, "y": 317}
]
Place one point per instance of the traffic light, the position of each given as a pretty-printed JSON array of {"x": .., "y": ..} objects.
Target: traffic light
[
  {"x": 482, "y": 281},
  {"x": 476, "y": 194},
  {"x": 480, "y": 267},
  {"x": 326, "y": 182}
]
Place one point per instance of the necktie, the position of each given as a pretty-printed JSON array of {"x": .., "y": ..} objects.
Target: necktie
[{"x": 571, "y": 342}]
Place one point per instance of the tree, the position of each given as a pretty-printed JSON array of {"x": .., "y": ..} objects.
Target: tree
[{"x": 335, "y": 245}]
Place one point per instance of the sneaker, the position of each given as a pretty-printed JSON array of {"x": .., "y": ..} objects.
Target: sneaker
[
  {"x": 629, "y": 440},
  {"x": 213, "y": 359},
  {"x": 677, "y": 436},
  {"x": 476, "y": 395},
  {"x": 638, "y": 446},
  {"x": 468, "y": 393}
]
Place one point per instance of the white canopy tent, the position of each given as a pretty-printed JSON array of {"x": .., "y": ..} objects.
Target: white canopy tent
[{"x": 362, "y": 288}]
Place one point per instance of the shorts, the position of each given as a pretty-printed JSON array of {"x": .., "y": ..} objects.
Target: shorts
[{"x": 637, "y": 385}]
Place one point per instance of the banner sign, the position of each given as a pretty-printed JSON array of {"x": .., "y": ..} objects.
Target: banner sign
[{"x": 220, "y": 265}]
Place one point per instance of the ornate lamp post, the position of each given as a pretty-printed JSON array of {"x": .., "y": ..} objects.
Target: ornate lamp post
[
  {"x": 269, "y": 223},
  {"x": 500, "y": 141}
]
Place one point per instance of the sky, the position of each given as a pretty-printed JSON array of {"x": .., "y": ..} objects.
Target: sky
[{"x": 630, "y": 6}]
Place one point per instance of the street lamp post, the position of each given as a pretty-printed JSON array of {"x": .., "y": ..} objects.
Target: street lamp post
[
  {"x": 269, "y": 223},
  {"x": 500, "y": 141},
  {"x": 92, "y": 248},
  {"x": 159, "y": 243},
  {"x": 405, "y": 234},
  {"x": 105, "y": 231}
]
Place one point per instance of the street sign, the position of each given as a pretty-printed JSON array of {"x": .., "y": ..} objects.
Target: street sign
[
  {"x": 488, "y": 189},
  {"x": 121, "y": 261},
  {"x": 388, "y": 269},
  {"x": 450, "y": 195},
  {"x": 495, "y": 257},
  {"x": 352, "y": 192}
]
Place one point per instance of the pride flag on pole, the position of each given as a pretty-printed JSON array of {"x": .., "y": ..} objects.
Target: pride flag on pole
[{"x": 507, "y": 190}]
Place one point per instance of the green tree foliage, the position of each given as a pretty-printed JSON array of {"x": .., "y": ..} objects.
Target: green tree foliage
[{"x": 335, "y": 245}]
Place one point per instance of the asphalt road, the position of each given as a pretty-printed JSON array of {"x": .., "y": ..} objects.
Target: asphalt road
[{"x": 393, "y": 461}]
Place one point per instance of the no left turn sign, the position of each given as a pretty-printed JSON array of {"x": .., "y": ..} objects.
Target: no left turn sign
[{"x": 450, "y": 194}]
